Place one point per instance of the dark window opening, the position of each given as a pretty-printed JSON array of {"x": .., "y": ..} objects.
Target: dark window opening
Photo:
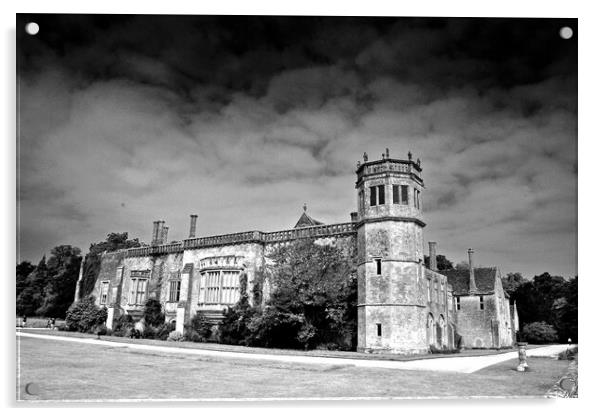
[
  {"x": 457, "y": 303},
  {"x": 481, "y": 303},
  {"x": 378, "y": 266},
  {"x": 396, "y": 194},
  {"x": 404, "y": 194},
  {"x": 381, "y": 194},
  {"x": 372, "y": 196},
  {"x": 379, "y": 330}
]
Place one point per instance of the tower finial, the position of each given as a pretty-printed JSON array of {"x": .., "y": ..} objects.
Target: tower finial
[
  {"x": 365, "y": 157},
  {"x": 387, "y": 152},
  {"x": 409, "y": 155},
  {"x": 305, "y": 207}
]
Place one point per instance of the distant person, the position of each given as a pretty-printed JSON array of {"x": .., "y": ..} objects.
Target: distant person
[
  {"x": 53, "y": 323},
  {"x": 24, "y": 321},
  {"x": 49, "y": 323}
]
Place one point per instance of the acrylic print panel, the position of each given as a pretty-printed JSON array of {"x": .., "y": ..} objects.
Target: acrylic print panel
[{"x": 235, "y": 207}]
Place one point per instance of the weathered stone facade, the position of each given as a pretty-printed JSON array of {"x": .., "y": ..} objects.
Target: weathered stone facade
[{"x": 403, "y": 306}]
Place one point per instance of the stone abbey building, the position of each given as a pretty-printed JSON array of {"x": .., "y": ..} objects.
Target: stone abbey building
[{"x": 404, "y": 306}]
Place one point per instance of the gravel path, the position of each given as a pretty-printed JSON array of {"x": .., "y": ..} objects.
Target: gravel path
[{"x": 447, "y": 364}]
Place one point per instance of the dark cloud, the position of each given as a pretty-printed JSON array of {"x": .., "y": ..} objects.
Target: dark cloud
[{"x": 126, "y": 119}]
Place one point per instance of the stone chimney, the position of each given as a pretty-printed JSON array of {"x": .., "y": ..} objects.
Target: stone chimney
[
  {"x": 354, "y": 217},
  {"x": 192, "y": 232},
  {"x": 164, "y": 231},
  {"x": 473, "y": 284},
  {"x": 160, "y": 231},
  {"x": 433, "y": 255},
  {"x": 155, "y": 236}
]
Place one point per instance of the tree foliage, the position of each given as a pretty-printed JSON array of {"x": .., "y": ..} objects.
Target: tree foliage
[
  {"x": 539, "y": 333},
  {"x": 549, "y": 299},
  {"x": 314, "y": 297},
  {"x": 442, "y": 262},
  {"x": 84, "y": 315},
  {"x": 48, "y": 288},
  {"x": 511, "y": 282}
]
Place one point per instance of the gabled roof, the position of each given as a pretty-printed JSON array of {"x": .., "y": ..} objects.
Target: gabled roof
[
  {"x": 460, "y": 280},
  {"x": 307, "y": 221}
]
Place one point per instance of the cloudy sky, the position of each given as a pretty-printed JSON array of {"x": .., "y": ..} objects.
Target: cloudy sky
[{"x": 127, "y": 119}]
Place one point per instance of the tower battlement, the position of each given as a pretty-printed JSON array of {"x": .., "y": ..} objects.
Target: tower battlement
[{"x": 388, "y": 165}]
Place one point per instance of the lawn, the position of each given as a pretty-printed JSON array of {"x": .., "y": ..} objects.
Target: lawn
[{"x": 73, "y": 371}]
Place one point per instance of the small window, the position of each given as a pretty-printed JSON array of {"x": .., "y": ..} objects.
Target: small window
[
  {"x": 381, "y": 194},
  {"x": 174, "y": 290},
  {"x": 379, "y": 330},
  {"x": 428, "y": 290},
  {"x": 457, "y": 303},
  {"x": 404, "y": 194},
  {"x": 396, "y": 194},
  {"x": 378, "y": 266},
  {"x": 372, "y": 196},
  {"x": 481, "y": 303}
]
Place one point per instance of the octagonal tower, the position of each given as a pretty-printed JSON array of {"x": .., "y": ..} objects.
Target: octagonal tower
[{"x": 391, "y": 303}]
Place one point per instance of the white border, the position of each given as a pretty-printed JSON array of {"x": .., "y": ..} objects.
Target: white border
[{"x": 589, "y": 186}]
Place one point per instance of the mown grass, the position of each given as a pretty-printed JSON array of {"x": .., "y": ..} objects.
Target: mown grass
[{"x": 73, "y": 371}]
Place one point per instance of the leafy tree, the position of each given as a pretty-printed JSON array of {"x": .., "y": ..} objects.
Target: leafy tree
[
  {"x": 314, "y": 296},
  {"x": 34, "y": 291},
  {"x": 198, "y": 329},
  {"x": 84, "y": 315},
  {"x": 539, "y": 333},
  {"x": 234, "y": 328},
  {"x": 23, "y": 270},
  {"x": 63, "y": 272},
  {"x": 153, "y": 313},
  {"x": 114, "y": 242},
  {"x": 511, "y": 283},
  {"x": 442, "y": 262}
]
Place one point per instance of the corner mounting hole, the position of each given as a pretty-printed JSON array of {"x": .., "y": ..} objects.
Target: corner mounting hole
[
  {"x": 566, "y": 32},
  {"x": 32, "y": 28}
]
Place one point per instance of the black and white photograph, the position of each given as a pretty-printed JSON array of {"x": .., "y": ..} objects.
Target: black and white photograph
[{"x": 295, "y": 207}]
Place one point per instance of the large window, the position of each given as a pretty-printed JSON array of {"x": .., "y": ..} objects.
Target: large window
[
  {"x": 104, "y": 292},
  {"x": 174, "y": 290},
  {"x": 377, "y": 195},
  {"x": 400, "y": 194},
  {"x": 138, "y": 291},
  {"x": 428, "y": 290},
  {"x": 219, "y": 287}
]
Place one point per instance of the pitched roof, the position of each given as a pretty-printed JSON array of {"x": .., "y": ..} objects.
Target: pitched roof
[
  {"x": 307, "y": 221},
  {"x": 460, "y": 280}
]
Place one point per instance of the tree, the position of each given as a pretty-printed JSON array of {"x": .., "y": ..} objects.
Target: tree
[
  {"x": 511, "y": 283},
  {"x": 33, "y": 293},
  {"x": 114, "y": 242},
  {"x": 314, "y": 297},
  {"x": 23, "y": 270},
  {"x": 84, "y": 315},
  {"x": 539, "y": 333},
  {"x": 153, "y": 313},
  {"x": 442, "y": 262},
  {"x": 63, "y": 272}
]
